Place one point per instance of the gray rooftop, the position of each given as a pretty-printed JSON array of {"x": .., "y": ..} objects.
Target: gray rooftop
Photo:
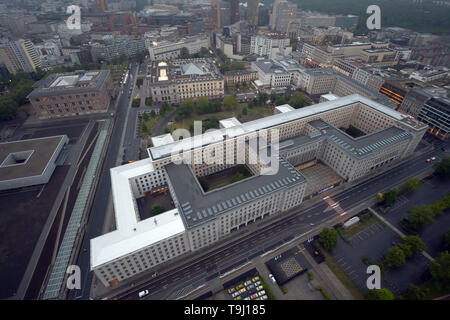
[
  {"x": 196, "y": 206},
  {"x": 73, "y": 82}
]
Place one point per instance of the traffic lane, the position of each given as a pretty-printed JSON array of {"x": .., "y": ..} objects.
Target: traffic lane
[
  {"x": 237, "y": 251},
  {"x": 98, "y": 210}
]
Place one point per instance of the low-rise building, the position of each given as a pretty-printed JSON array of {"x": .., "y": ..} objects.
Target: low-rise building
[
  {"x": 168, "y": 50},
  {"x": 232, "y": 78}
]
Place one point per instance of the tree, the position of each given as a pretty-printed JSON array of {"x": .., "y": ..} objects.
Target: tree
[
  {"x": 164, "y": 108},
  {"x": 144, "y": 128},
  {"x": 184, "y": 53},
  {"x": 442, "y": 168},
  {"x": 379, "y": 294},
  {"x": 415, "y": 243},
  {"x": 203, "y": 105},
  {"x": 152, "y": 113},
  {"x": 414, "y": 293},
  {"x": 395, "y": 257},
  {"x": 421, "y": 216},
  {"x": 244, "y": 111},
  {"x": 230, "y": 103},
  {"x": 157, "y": 209},
  {"x": 390, "y": 196},
  {"x": 298, "y": 100},
  {"x": 440, "y": 271},
  {"x": 145, "y": 116},
  {"x": 186, "y": 108},
  {"x": 329, "y": 239},
  {"x": 446, "y": 239},
  {"x": 410, "y": 185}
]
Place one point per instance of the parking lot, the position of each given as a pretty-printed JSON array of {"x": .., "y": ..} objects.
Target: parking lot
[
  {"x": 288, "y": 265},
  {"x": 252, "y": 288}
]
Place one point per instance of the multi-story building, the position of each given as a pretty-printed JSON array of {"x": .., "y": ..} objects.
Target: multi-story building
[
  {"x": 70, "y": 94},
  {"x": 200, "y": 219},
  {"x": 316, "y": 81},
  {"x": 168, "y": 50},
  {"x": 380, "y": 57},
  {"x": 252, "y": 12},
  {"x": 282, "y": 14},
  {"x": 20, "y": 55},
  {"x": 416, "y": 97},
  {"x": 271, "y": 73},
  {"x": 232, "y": 78},
  {"x": 270, "y": 45},
  {"x": 436, "y": 114},
  {"x": 178, "y": 80},
  {"x": 113, "y": 48},
  {"x": 430, "y": 74}
]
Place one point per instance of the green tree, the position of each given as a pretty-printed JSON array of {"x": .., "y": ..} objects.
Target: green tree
[
  {"x": 298, "y": 100},
  {"x": 329, "y": 239},
  {"x": 379, "y": 294},
  {"x": 244, "y": 111},
  {"x": 152, "y": 113},
  {"x": 390, "y": 196},
  {"x": 144, "y": 128},
  {"x": 145, "y": 116},
  {"x": 184, "y": 53},
  {"x": 203, "y": 105},
  {"x": 442, "y": 168},
  {"x": 415, "y": 243},
  {"x": 440, "y": 271},
  {"x": 164, "y": 108},
  {"x": 186, "y": 108},
  {"x": 446, "y": 240},
  {"x": 157, "y": 209},
  {"x": 421, "y": 216},
  {"x": 230, "y": 103},
  {"x": 410, "y": 185},
  {"x": 414, "y": 293},
  {"x": 395, "y": 257}
]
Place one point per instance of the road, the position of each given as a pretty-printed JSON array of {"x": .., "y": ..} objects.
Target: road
[
  {"x": 100, "y": 203},
  {"x": 194, "y": 273}
]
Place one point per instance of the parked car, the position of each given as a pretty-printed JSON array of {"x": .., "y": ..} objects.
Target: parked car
[
  {"x": 143, "y": 293},
  {"x": 245, "y": 294},
  {"x": 239, "y": 287},
  {"x": 433, "y": 158},
  {"x": 231, "y": 290},
  {"x": 246, "y": 283},
  {"x": 238, "y": 298},
  {"x": 272, "y": 278},
  {"x": 248, "y": 298},
  {"x": 251, "y": 286},
  {"x": 235, "y": 294},
  {"x": 257, "y": 283},
  {"x": 428, "y": 160},
  {"x": 254, "y": 296},
  {"x": 264, "y": 297},
  {"x": 261, "y": 293},
  {"x": 255, "y": 279},
  {"x": 260, "y": 288},
  {"x": 242, "y": 290}
]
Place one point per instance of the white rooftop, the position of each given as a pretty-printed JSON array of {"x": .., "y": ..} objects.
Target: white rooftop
[
  {"x": 284, "y": 108},
  {"x": 265, "y": 123},
  {"x": 131, "y": 234},
  {"x": 162, "y": 139},
  {"x": 329, "y": 96},
  {"x": 229, "y": 123}
]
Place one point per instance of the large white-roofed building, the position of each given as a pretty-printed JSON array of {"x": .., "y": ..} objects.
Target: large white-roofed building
[{"x": 201, "y": 219}]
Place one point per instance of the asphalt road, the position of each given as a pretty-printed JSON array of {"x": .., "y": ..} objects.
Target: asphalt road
[
  {"x": 100, "y": 203},
  {"x": 194, "y": 273}
]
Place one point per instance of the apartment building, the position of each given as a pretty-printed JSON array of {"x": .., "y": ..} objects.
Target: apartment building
[
  {"x": 436, "y": 114},
  {"x": 271, "y": 73},
  {"x": 201, "y": 219},
  {"x": 74, "y": 93},
  {"x": 175, "y": 81},
  {"x": 19, "y": 55},
  {"x": 267, "y": 45}
]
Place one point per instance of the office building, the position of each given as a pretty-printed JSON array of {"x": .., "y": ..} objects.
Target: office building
[
  {"x": 200, "y": 219},
  {"x": 168, "y": 50}
]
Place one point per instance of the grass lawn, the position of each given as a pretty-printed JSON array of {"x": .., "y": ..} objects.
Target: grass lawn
[
  {"x": 341, "y": 275},
  {"x": 225, "y": 177},
  {"x": 267, "y": 289},
  {"x": 150, "y": 124},
  {"x": 117, "y": 70},
  {"x": 366, "y": 220}
]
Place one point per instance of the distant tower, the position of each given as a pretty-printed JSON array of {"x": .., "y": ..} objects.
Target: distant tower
[
  {"x": 215, "y": 13},
  {"x": 252, "y": 12},
  {"x": 234, "y": 11}
]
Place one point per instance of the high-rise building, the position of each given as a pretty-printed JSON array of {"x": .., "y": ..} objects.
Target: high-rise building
[
  {"x": 234, "y": 11},
  {"x": 225, "y": 14},
  {"x": 215, "y": 14},
  {"x": 252, "y": 12},
  {"x": 282, "y": 14},
  {"x": 20, "y": 55}
]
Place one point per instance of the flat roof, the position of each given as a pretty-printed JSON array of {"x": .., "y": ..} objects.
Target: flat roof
[
  {"x": 35, "y": 152},
  {"x": 198, "y": 206},
  {"x": 266, "y": 123}
]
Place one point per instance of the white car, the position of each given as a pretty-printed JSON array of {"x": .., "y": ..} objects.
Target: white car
[
  {"x": 272, "y": 278},
  {"x": 143, "y": 293}
]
